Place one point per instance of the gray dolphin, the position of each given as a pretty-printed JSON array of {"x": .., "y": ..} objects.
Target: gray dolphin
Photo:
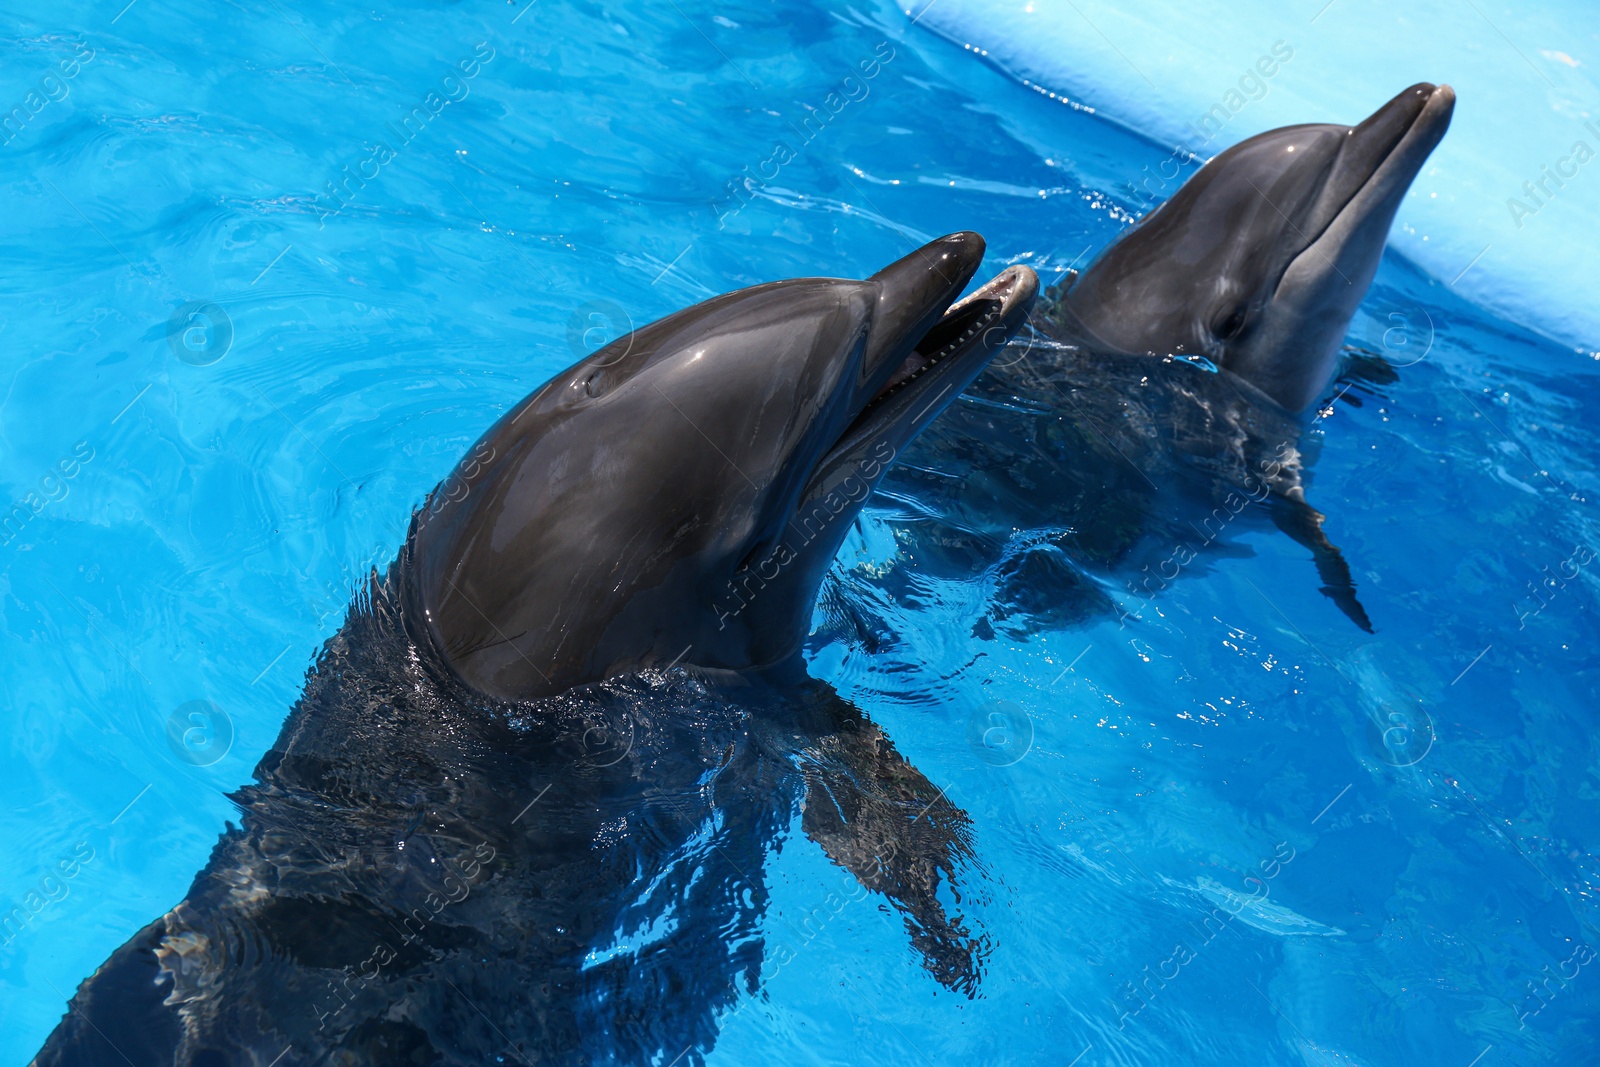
[
  {"x": 1162, "y": 393},
  {"x": 576, "y": 553},
  {"x": 521, "y": 809},
  {"x": 1259, "y": 261}
]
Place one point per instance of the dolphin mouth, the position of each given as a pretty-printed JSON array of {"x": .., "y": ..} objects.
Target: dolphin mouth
[
  {"x": 923, "y": 349},
  {"x": 957, "y": 336},
  {"x": 938, "y": 364}
]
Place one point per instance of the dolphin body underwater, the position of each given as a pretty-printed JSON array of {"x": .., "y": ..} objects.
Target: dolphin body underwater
[
  {"x": 522, "y": 806},
  {"x": 1161, "y": 394}
]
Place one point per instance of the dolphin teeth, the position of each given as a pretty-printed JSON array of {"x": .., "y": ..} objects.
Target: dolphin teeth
[{"x": 918, "y": 362}]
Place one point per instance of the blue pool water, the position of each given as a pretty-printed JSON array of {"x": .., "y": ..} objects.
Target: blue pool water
[{"x": 201, "y": 495}]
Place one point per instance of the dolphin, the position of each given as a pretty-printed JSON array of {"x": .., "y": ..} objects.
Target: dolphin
[
  {"x": 1164, "y": 392},
  {"x": 520, "y": 811},
  {"x": 1259, "y": 261}
]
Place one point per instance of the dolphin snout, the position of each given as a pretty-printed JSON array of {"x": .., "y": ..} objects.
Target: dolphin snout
[
  {"x": 1437, "y": 103},
  {"x": 1421, "y": 112},
  {"x": 1380, "y": 157},
  {"x": 914, "y": 292}
]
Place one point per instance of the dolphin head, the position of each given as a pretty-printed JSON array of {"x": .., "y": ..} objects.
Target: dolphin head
[
  {"x": 678, "y": 495},
  {"x": 1259, "y": 261}
]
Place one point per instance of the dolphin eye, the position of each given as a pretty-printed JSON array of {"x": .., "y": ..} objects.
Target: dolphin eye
[{"x": 1232, "y": 324}]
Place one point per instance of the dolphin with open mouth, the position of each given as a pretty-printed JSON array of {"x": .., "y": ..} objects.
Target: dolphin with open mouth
[
  {"x": 522, "y": 806},
  {"x": 1162, "y": 393}
]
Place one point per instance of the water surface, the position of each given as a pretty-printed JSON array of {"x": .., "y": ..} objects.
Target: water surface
[{"x": 199, "y": 508}]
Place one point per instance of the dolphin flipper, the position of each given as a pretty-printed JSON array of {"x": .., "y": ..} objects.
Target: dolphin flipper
[
  {"x": 875, "y": 815},
  {"x": 1303, "y": 522}
]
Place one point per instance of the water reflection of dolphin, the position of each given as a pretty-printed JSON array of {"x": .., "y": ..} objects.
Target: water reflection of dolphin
[
  {"x": 1160, "y": 395},
  {"x": 522, "y": 806}
]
